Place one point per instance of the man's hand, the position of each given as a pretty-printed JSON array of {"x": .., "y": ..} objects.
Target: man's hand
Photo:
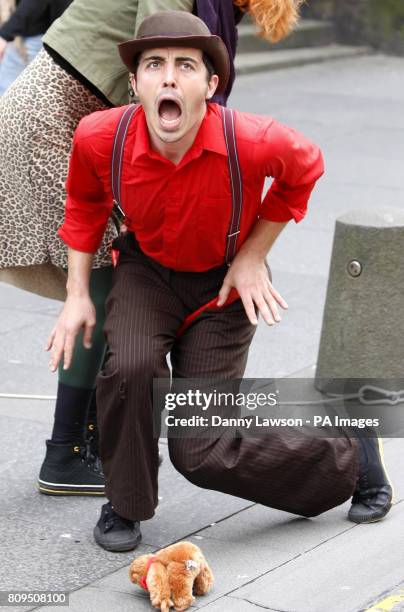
[
  {"x": 78, "y": 313},
  {"x": 249, "y": 275},
  {"x": 3, "y": 45}
]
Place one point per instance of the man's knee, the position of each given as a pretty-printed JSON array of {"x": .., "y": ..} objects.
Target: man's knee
[{"x": 189, "y": 459}]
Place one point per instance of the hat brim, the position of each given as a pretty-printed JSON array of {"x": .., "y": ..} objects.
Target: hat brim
[{"x": 212, "y": 45}]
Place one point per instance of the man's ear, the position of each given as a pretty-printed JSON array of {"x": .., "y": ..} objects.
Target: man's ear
[
  {"x": 132, "y": 79},
  {"x": 212, "y": 86}
]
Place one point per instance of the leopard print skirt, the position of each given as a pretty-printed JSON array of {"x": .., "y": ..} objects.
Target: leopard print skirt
[{"x": 38, "y": 115}]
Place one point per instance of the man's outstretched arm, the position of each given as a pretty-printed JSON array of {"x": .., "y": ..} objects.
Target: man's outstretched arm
[{"x": 78, "y": 311}]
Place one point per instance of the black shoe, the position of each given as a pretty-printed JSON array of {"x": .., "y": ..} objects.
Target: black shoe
[
  {"x": 373, "y": 496},
  {"x": 114, "y": 533},
  {"x": 70, "y": 469}
]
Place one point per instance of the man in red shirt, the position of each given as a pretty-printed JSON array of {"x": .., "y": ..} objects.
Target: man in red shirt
[{"x": 179, "y": 203}]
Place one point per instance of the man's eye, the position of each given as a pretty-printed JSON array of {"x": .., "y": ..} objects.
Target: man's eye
[
  {"x": 154, "y": 64},
  {"x": 187, "y": 66}
]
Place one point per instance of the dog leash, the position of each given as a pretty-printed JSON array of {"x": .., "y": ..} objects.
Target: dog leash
[{"x": 119, "y": 217}]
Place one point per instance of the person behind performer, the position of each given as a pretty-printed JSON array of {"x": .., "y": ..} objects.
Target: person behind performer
[{"x": 21, "y": 34}]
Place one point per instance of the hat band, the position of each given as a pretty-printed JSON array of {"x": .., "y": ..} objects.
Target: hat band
[{"x": 171, "y": 35}]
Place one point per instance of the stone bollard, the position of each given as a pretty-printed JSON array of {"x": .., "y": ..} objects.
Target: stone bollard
[{"x": 362, "y": 334}]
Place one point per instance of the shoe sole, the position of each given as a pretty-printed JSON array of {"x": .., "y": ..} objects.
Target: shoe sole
[
  {"x": 116, "y": 548},
  {"x": 362, "y": 520},
  {"x": 50, "y": 488}
]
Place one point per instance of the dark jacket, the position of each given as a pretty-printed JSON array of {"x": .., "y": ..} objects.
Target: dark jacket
[
  {"x": 32, "y": 17},
  {"x": 221, "y": 17}
]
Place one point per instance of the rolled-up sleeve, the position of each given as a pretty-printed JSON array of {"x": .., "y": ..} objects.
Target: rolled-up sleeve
[
  {"x": 88, "y": 203},
  {"x": 295, "y": 164}
]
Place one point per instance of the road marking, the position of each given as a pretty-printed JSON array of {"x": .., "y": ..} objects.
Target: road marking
[
  {"x": 388, "y": 603},
  {"x": 33, "y": 397}
]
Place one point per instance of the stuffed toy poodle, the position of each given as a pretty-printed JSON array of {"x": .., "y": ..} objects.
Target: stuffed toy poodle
[{"x": 172, "y": 575}]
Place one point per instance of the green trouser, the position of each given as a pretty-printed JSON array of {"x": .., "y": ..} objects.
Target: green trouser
[{"x": 86, "y": 363}]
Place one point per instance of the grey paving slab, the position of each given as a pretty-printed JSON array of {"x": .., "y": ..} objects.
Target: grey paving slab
[
  {"x": 14, "y": 298},
  {"x": 15, "y": 608},
  {"x": 369, "y": 142},
  {"x": 93, "y": 599},
  {"x": 356, "y": 78},
  {"x": 29, "y": 409},
  {"x": 304, "y": 250},
  {"x": 336, "y": 101},
  {"x": 15, "y": 321},
  {"x": 363, "y": 170},
  {"x": 27, "y": 343},
  {"x": 27, "y": 373},
  {"x": 48, "y": 558},
  {"x": 277, "y": 530},
  {"x": 89, "y": 599},
  {"x": 343, "y": 573}
]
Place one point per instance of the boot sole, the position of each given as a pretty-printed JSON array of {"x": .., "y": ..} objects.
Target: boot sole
[
  {"x": 50, "y": 488},
  {"x": 115, "y": 548}
]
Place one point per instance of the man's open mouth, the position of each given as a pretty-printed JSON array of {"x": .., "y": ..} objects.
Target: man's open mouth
[{"x": 170, "y": 112}]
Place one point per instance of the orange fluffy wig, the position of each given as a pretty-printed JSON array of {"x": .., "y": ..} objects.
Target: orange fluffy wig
[{"x": 274, "y": 18}]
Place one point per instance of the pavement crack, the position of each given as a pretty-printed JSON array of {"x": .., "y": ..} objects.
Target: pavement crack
[
  {"x": 216, "y": 522},
  {"x": 262, "y": 607}
]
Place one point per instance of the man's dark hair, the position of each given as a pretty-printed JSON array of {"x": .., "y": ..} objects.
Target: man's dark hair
[
  {"x": 205, "y": 58},
  {"x": 209, "y": 65}
]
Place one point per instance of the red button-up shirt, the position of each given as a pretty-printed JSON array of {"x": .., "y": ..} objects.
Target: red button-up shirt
[{"x": 181, "y": 213}]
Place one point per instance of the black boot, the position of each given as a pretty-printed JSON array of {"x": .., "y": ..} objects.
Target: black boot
[
  {"x": 91, "y": 436},
  {"x": 114, "y": 533},
  {"x": 71, "y": 469},
  {"x": 373, "y": 496}
]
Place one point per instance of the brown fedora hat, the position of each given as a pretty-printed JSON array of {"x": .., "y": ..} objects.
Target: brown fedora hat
[{"x": 177, "y": 29}]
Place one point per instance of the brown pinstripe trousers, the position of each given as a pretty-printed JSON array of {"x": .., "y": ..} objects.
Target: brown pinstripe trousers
[{"x": 305, "y": 475}]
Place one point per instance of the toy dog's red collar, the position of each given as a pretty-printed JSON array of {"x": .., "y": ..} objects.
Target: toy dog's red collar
[{"x": 143, "y": 580}]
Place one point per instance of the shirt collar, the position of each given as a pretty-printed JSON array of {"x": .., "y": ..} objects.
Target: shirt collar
[
  {"x": 211, "y": 130},
  {"x": 210, "y": 136},
  {"x": 141, "y": 145}
]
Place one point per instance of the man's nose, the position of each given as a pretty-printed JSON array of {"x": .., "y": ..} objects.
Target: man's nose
[{"x": 170, "y": 75}]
